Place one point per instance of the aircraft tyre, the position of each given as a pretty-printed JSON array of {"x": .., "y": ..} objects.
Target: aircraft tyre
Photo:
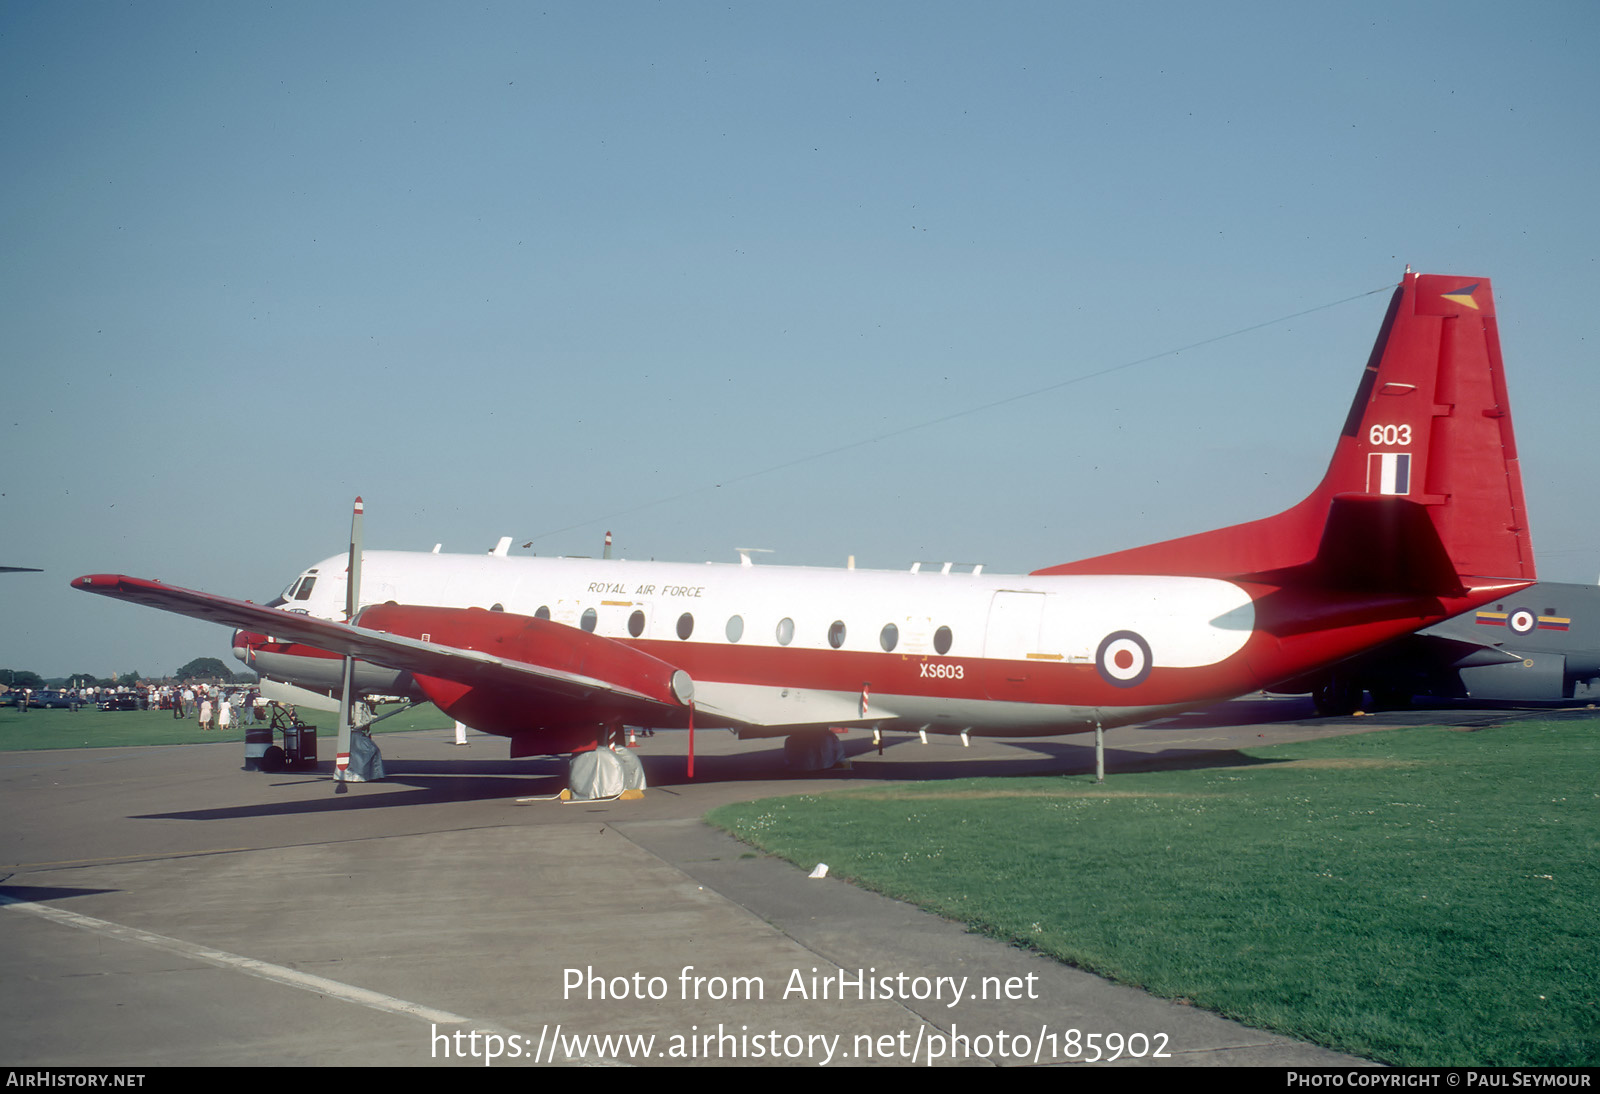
[
  {"x": 812, "y": 750},
  {"x": 274, "y": 759},
  {"x": 1336, "y": 697}
]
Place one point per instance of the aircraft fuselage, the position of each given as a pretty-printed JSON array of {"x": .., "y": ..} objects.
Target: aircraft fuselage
[{"x": 775, "y": 646}]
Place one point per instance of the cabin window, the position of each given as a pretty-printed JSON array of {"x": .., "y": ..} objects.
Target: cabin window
[
  {"x": 735, "y": 628},
  {"x": 685, "y": 625},
  {"x": 543, "y": 612},
  {"x": 785, "y": 631},
  {"x": 889, "y": 637},
  {"x": 636, "y": 623},
  {"x": 589, "y": 619},
  {"x": 836, "y": 633},
  {"x": 304, "y": 591},
  {"x": 941, "y": 640}
]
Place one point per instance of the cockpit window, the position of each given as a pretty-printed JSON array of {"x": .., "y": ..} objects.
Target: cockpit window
[{"x": 303, "y": 591}]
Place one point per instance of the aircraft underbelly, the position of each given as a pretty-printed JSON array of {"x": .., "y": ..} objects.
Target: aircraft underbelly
[
  {"x": 1000, "y": 718},
  {"x": 761, "y": 711}
]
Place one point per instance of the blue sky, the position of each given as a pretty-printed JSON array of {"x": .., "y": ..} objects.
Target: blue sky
[{"x": 541, "y": 270}]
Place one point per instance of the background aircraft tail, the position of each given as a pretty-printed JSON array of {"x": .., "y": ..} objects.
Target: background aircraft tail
[{"x": 1424, "y": 492}]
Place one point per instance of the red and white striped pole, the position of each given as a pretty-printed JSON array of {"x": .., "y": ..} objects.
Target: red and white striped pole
[{"x": 352, "y": 602}]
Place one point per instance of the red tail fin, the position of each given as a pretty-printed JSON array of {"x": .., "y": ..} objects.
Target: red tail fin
[{"x": 1430, "y": 424}]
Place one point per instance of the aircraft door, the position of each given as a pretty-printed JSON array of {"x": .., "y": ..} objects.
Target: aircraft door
[
  {"x": 1012, "y": 633},
  {"x": 333, "y": 591}
]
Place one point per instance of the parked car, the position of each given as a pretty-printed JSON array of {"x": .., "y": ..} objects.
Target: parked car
[
  {"x": 54, "y": 699},
  {"x": 122, "y": 702}
]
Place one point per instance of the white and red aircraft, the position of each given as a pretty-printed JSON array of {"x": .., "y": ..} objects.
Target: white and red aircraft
[{"x": 1420, "y": 517}]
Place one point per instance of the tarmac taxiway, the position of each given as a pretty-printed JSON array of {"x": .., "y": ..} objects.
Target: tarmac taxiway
[{"x": 163, "y": 906}]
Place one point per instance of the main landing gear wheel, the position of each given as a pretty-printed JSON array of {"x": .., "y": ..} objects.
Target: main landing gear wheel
[
  {"x": 812, "y": 750},
  {"x": 1337, "y": 697}
]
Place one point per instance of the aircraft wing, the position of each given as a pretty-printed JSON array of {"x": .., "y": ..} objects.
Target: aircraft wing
[{"x": 509, "y": 672}]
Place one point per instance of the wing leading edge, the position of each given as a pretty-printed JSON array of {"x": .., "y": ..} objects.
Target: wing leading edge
[
  {"x": 498, "y": 672},
  {"x": 505, "y": 673}
]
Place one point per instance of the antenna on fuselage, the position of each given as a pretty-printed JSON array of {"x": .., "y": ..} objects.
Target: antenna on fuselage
[{"x": 607, "y": 553}]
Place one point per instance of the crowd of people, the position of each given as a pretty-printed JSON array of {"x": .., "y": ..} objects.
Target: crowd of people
[{"x": 216, "y": 706}]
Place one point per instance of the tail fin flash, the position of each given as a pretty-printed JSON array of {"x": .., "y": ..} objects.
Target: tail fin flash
[{"x": 1430, "y": 424}]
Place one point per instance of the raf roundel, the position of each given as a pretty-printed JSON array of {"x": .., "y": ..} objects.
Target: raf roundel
[
  {"x": 1123, "y": 659},
  {"x": 1521, "y": 621}
]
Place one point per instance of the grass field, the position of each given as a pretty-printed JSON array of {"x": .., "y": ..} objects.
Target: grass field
[
  {"x": 89, "y": 728},
  {"x": 1421, "y": 896}
]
